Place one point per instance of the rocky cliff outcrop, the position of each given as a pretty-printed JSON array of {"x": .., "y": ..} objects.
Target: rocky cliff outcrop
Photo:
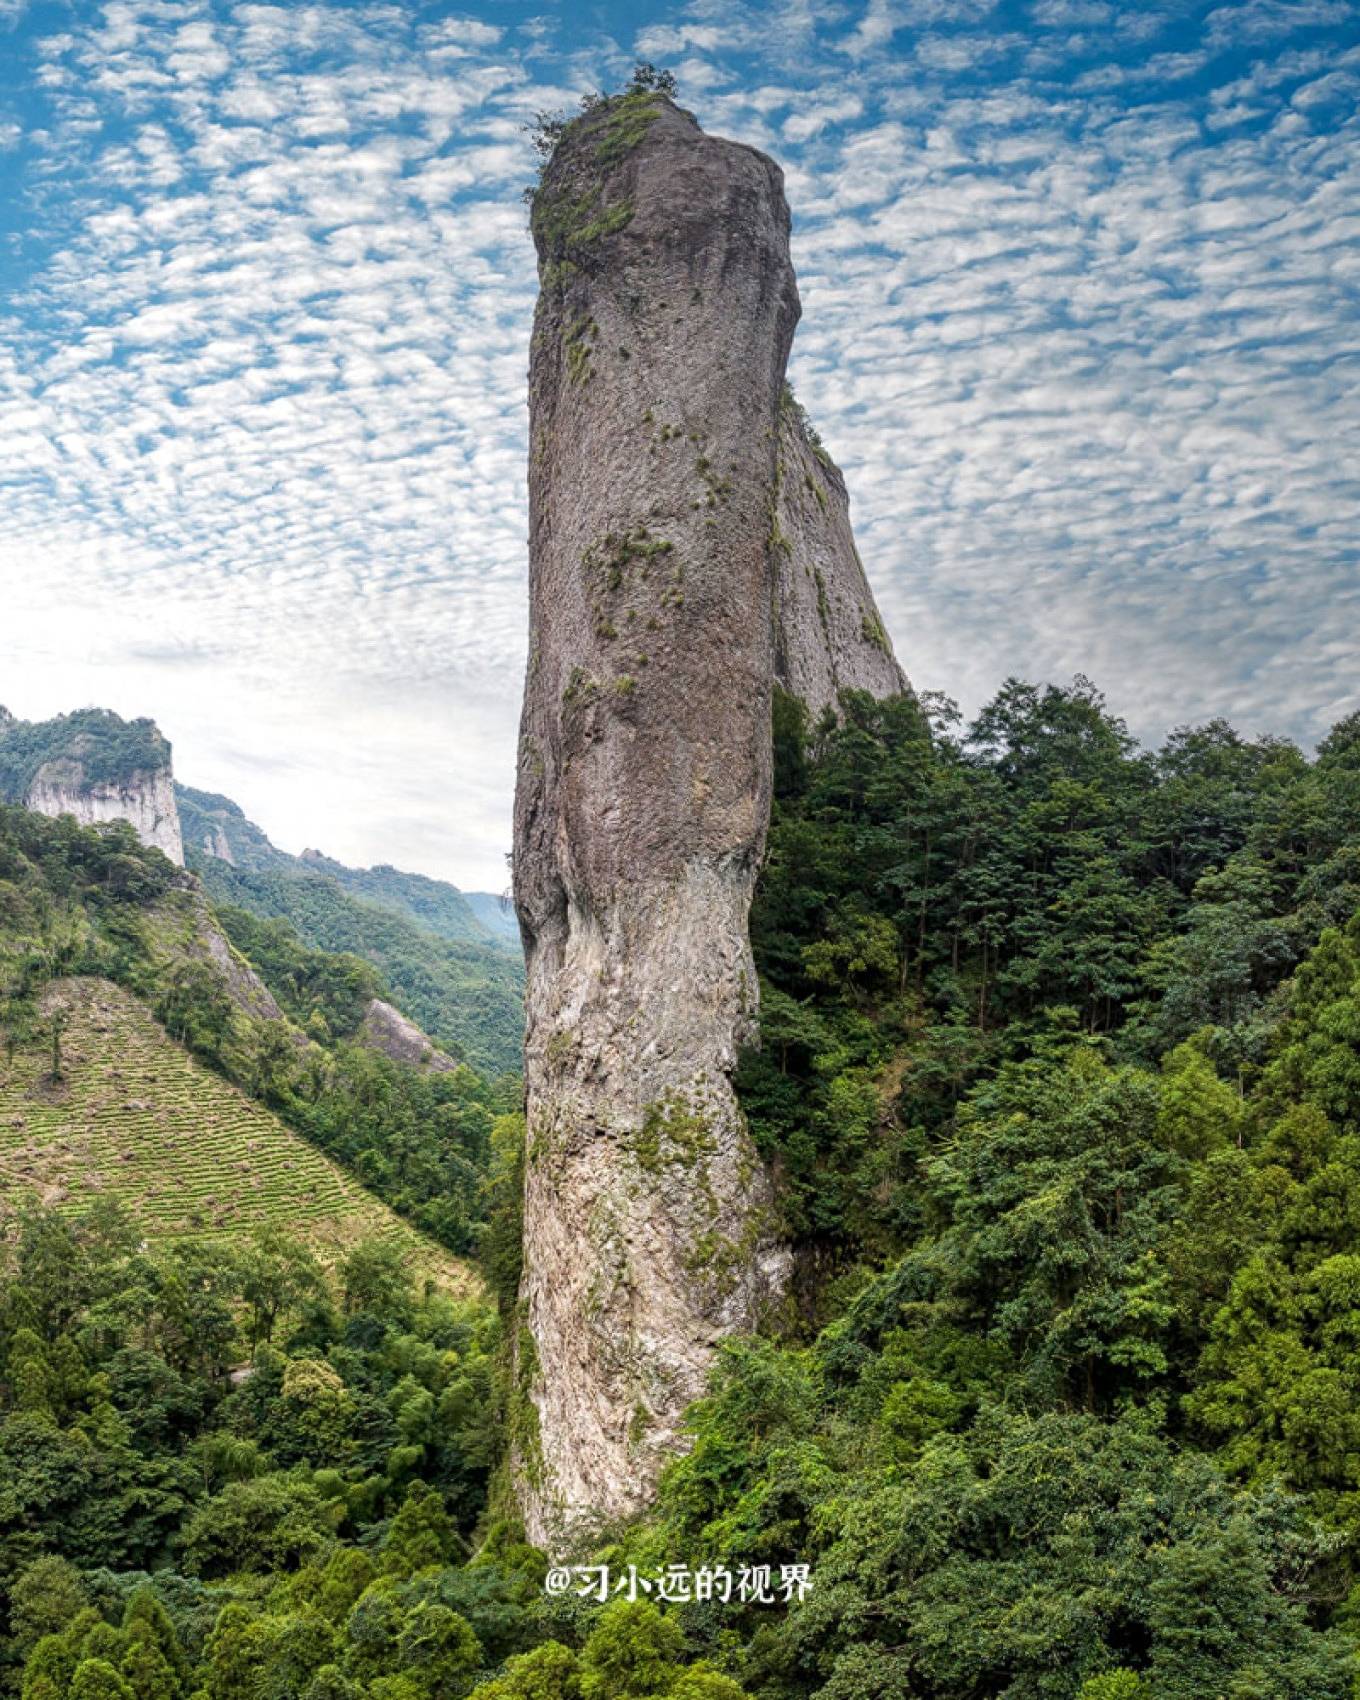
[
  {"x": 143, "y": 798},
  {"x": 213, "y": 841},
  {"x": 205, "y": 940},
  {"x": 667, "y": 503},
  {"x": 96, "y": 766},
  {"x": 387, "y": 1030},
  {"x": 215, "y": 826},
  {"x": 828, "y": 633}
]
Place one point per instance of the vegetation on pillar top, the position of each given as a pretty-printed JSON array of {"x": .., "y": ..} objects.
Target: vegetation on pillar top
[{"x": 568, "y": 212}]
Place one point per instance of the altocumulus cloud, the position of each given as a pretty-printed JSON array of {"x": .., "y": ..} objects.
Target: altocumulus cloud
[{"x": 1079, "y": 286}]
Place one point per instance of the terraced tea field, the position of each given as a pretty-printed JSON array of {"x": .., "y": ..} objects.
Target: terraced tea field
[{"x": 187, "y": 1153}]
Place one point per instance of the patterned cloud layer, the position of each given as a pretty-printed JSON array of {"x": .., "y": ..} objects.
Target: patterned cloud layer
[{"x": 1079, "y": 286}]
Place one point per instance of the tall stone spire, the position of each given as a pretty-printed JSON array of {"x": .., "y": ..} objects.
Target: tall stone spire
[{"x": 687, "y": 543}]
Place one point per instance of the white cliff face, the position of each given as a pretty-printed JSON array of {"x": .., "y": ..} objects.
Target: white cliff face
[
  {"x": 215, "y": 843},
  {"x": 145, "y": 800}
]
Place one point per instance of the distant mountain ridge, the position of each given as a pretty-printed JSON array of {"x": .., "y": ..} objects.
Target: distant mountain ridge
[
  {"x": 451, "y": 959},
  {"x": 97, "y": 766},
  {"x": 467, "y": 994},
  {"x": 497, "y": 915},
  {"x": 215, "y": 826}
]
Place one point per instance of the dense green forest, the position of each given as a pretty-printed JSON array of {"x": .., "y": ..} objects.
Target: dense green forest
[
  {"x": 465, "y": 994},
  {"x": 107, "y": 748},
  {"x": 432, "y": 904},
  {"x": 1060, "y": 1082}
]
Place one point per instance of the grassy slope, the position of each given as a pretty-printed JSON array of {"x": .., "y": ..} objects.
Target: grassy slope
[{"x": 187, "y": 1153}]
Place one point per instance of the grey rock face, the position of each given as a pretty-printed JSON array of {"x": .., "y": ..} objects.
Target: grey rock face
[
  {"x": 216, "y": 843},
  {"x": 240, "y": 981},
  {"x": 387, "y": 1030},
  {"x": 666, "y": 310},
  {"x": 828, "y": 634}
]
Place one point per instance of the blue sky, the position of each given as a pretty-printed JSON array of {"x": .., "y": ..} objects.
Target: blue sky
[{"x": 1079, "y": 283}]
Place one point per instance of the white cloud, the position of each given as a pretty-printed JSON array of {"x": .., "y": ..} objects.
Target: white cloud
[
  {"x": 1258, "y": 21},
  {"x": 808, "y": 121},
  {"x": 665, "y": 40}
]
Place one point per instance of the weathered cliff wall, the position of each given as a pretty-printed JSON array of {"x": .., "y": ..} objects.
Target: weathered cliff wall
[
  {"x": 96, "y": 766},
  {"x": 665, "y": 314},
  {"x": 828, "y": 633},
  {"x": 144, "y": 799}
]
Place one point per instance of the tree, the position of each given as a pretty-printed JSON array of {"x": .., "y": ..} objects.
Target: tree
[
  {"x": 146, "y": 1620},
  {"x": 550, "y": 1672},
  {"x": 373, "y": 1629},
  {"x": 702, "y": 1682},
  {"x": 632, "y": 1650},
  {"x": 197, "y": 1305},
  {"x": 30, "y": 1375},
  {"x": 46, "y": 1595},
  {"x": 1056, "y": 1196},
  {"x": 1062, "y": 1543},
  {"x": 348, "y": 1572},
  {"x": 331, "y": 1683},
  {"x": 272, "y": 1523},
  {"x": 275, "y": 1273},
  {"x": 422, "y": 1533},
  {"x": 96, "y": 1679},
  {"x": 229, "y": 1665},
  {"x": 646, "y": 79},
  {"x": 196, "y": 1008},
  {"x": 293, "y": 1647},
  {"x": 1123, "y": 1684},
  {"x": 438, "y": 1649},
  {"x": 48, "y": 1669},
  {"x": 148, "y": 1672},
  {"x": 374, "y": 1281},
  {"x": 318, "y": 1413}
]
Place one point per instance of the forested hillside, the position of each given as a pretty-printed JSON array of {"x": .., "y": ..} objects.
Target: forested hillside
[
  {"x": 94, "y": 903},
  {"x": 467, "y": 996},
  {"x": 458, "y": 975},
  {"x": 1060, "y": 1073},
  {"x": 1060, "y": 1079}
]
